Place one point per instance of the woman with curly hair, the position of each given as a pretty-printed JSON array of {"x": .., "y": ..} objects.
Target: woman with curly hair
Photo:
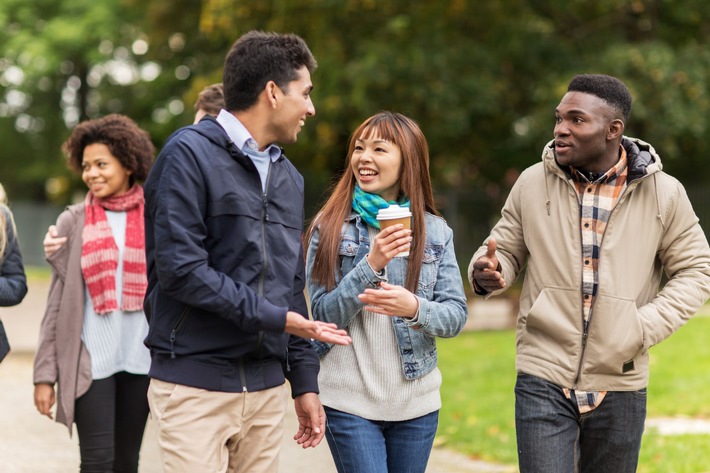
[{"x": 91, "y": 337}]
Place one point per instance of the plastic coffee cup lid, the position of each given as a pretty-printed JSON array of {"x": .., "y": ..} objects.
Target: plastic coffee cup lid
[{"x": 393, "y": 211}]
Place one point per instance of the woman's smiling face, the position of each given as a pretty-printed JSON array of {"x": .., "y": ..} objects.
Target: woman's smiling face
[
  {"x": 103, "y": 173},
  {"x": 377, "y": 165}
]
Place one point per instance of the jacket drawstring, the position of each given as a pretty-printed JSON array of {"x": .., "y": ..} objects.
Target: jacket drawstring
[
  {"x": 659, "y": 216},
  {"x": 547, "y": 189}
]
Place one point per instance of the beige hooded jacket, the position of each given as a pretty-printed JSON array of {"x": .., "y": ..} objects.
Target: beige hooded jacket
[{"x": 652, "y": 230}]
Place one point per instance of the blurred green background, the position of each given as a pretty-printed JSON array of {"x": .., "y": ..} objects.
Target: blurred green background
[{"x": 481, "y": 78}]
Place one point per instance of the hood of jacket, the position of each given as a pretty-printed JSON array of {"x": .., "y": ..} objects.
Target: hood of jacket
[{"x": 641, "y": 157}]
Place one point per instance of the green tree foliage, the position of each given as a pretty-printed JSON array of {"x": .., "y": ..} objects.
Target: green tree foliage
[
  {"x": 65, "y": 61},
  {"x": 482, "y": 78}
]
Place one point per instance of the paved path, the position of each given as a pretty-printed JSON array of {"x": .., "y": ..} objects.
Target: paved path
[{"x": 31, "y": 443}]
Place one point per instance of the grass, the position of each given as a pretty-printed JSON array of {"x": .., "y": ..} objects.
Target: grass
[
  {"x": 477, "y": 416},
  {"x": 38, "y": 273}
]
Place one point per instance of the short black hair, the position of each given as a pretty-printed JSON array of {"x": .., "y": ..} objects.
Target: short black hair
[
  {"x": 258, "y": 57},
  {"x": 610, "y": 89}
]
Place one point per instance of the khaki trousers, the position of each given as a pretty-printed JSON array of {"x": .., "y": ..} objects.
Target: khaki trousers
[{"x": 217, "y": 432}]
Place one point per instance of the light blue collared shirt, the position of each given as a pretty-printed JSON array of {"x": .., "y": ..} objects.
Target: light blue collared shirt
[{"x": 241, "y": 137}]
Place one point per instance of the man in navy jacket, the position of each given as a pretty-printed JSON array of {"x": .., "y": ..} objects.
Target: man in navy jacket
[{"x": 227, "y": 314}]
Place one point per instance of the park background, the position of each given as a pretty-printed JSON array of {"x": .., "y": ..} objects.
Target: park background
[{"x": 482, "y": 78}]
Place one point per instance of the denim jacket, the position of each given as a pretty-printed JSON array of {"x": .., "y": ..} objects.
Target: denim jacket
[{"x": 442, "y": 304}]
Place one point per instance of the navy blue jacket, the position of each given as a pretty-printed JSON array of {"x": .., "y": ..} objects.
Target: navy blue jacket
[
  {"x": 13, "y": 283},
  {"x": 225, "y": 263}
]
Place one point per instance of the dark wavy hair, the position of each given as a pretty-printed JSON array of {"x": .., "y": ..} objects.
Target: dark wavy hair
[
  {"x": 610, "y": 89},
  {"x": 130, "y": 144},
  {"x": 257, "y": 58}
]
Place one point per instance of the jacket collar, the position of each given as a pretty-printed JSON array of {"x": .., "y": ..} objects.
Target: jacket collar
[{"x": 642, "y": 159}]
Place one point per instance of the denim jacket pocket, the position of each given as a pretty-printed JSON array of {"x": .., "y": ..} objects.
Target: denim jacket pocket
[
  {"x": 417, "y": 349},
  {"x": 430, "y": 269},
  {"x": 347, "y": 251}
]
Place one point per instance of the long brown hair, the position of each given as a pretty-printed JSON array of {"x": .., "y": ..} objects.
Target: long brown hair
[{"x": 415, "y": 183}]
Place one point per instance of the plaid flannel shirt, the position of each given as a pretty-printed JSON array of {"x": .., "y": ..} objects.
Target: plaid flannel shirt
[{"x": 597, "y": 197}]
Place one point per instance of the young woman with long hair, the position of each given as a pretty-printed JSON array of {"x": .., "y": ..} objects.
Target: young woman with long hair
[{"x": 381, "y": 394}]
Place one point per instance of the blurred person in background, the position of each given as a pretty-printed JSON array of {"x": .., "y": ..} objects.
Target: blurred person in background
[
  {"x": 209, "y": 102},
  {"x": 13, "y": 283},
  {"x": 91, "y": 338}
]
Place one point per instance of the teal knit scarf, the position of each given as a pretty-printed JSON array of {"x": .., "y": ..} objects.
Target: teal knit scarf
[{"x": 367, "y": 205}]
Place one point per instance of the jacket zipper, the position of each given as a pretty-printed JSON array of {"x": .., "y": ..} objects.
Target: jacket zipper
[
  {"x": 585, "y": 331},
  {"x": 264, "y": 253},
  {"x": 176, "y": 328},
  {"x": 242, "y": 375}
]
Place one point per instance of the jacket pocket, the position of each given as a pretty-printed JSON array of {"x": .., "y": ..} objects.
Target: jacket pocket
[
  {"x": 424, "y": 355},
  {"x": 552, "y": 329},
  {"x": 430, "y": 268},
  {"x": 177, "y": 328},
  {"x": 347, "y": 251},
  {"x": 615, "y": 337}
]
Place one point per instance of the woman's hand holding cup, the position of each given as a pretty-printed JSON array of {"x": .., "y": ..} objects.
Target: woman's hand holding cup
[{"x": 387, "y": 244}]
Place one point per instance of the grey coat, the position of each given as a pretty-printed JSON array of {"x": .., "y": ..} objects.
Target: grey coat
[{"x": 61, "y": 356}]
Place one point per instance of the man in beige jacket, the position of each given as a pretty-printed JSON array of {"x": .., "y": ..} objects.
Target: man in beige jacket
[{"x": 597, "y": 222}]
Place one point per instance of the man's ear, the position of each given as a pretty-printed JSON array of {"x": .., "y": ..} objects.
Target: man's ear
[
  {"x": 615, "y": 130},
  {"x": 273, "y": 93}
]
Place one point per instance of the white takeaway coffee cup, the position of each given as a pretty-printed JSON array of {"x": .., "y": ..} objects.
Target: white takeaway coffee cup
[{"x": 393, "y": 215}]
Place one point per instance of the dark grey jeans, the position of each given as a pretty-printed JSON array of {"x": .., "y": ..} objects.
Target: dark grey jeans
[
  {"x": 553, "y": 437},
  {"x": 110, "y": 420}
]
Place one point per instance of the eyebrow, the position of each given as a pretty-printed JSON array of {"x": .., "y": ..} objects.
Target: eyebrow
[
  {"x": 376, "y": 141},
  {"x": 574, "y": 111}
]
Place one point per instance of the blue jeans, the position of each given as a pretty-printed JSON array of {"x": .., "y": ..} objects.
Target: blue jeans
[
  {"x": 359, "y": 445},
  {"x": 553, "y": 437}
]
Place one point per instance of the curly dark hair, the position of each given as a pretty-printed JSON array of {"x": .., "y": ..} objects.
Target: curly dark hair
[
  {"x": 129, "y": 143},
  {"x": 258, "y": 57},
  {"x": 608, "y": 88}
]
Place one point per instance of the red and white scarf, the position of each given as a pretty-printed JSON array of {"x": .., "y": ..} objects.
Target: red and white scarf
[{"x": 99, "y": 253}]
